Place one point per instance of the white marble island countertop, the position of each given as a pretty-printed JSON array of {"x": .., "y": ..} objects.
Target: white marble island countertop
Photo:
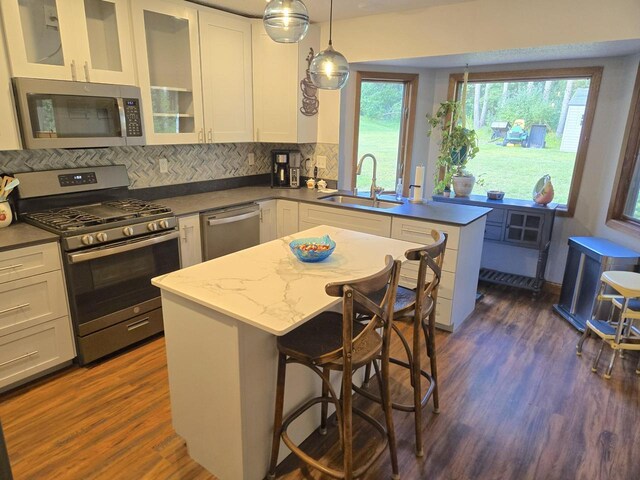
[{"x": 268, "y": 287}]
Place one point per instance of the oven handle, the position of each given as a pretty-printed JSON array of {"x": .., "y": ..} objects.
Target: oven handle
[
  {"x": 104, "y": 252},
  {"x": 237, "y": 218}
]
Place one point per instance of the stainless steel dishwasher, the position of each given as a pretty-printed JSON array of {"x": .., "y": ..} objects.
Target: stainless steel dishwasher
[{"x": 228, "y": 230}]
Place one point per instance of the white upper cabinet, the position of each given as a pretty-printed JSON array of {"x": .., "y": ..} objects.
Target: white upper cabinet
[
  {"x": 168, "y": 57},
  {"x": 108, "y": 30},
  {"x": 82, "y": 40},
  {"x": 278, "y": 69},
  {"x": 225, "y": 49},
  {"x": 9, "y": 138}
]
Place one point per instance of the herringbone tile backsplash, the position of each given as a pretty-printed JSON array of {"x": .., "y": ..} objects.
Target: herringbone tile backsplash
[{"x": 187, "y": 163}]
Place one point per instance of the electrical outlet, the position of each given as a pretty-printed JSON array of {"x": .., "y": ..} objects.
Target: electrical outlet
[
  {"x": 163, "y": 164},
  {"x": 50, "y": 16},
  {"x": 321, "y": 162},
  {"x": 251, "y": 159}
]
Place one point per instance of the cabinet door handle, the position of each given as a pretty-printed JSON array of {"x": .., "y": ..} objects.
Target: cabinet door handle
[
  {"x": 201, "y": 136},
  {"x": 138, "y": 324},
  {"x": 17, "y": 265},
  {"x": 74, "y": 74},
  {"x": 86, "y": 71},
  {"x": 11, "y": 309},
  {"x": 184, "y": 229},
  {"x": 26, "y": 355},
  {"x": 210, "y": 136},
  {"x": 417, "y": 232}
]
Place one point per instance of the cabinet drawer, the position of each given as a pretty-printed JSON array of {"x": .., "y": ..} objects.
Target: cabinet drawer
[
  {"x": 28, "y": 261},
  {"x": 35, "y": 349},
  {"x": 493, "y": 232},
  {"x": 314, "y": 215},
  {"x": 409, "y": 276},
  {"x": 31, "y": 300},
  {"x": 420, "y": 232}
]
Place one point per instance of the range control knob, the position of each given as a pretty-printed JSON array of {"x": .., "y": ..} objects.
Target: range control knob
[
  {"x": 152, "y": 227},
  {"x": 101, "y": 237},
  {"x": 87, "y": 239},
  {"x": 127, "y": 231},
  {"x": 163, "y": 224}
]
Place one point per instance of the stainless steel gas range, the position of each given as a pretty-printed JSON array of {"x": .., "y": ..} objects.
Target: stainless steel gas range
[{"x": 112, "y": 246}]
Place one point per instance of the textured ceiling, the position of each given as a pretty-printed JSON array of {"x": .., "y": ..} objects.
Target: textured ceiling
[{"x": 319, "y": 9}]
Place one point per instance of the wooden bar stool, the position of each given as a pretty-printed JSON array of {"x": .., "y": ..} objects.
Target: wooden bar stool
[
  {"x": 623, "y": 334},
  {"x": 418, "y": 308},
  {"x": 334, "y": 341}
]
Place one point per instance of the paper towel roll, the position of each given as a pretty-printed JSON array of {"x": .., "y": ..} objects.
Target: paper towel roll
[{"x": 418, "y": 180}]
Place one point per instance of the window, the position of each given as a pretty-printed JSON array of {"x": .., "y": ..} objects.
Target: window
[
  {"x": 625, "y": 203},
  {"x": 531, "y": 123},
  {"x": 385, "y": 114}
]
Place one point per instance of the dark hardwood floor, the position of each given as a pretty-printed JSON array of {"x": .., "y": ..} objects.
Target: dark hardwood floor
[{"x": 516, "y": 403}]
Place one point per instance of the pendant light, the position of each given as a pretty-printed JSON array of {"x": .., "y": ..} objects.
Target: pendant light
[
  {"x": 286, "y": 21},
  {"x": 329, "y": 69}
]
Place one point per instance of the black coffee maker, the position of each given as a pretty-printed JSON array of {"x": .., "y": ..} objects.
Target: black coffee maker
[{"x": 285, "y": 168}]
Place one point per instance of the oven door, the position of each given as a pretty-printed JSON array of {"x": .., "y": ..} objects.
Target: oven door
[{"x": 109, "y": 284}]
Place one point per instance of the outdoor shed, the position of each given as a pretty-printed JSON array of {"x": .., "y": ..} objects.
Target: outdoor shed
[{"x": 573, "y": 122}]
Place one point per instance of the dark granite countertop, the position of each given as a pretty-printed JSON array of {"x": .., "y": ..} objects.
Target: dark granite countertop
[
  {"x": 22, "y": 235},
  {"x": 430, "y": 211}
]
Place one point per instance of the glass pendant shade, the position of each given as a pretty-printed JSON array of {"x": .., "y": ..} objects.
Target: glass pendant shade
[
  {"x": 286, "y": 21},
  {"x": 329, "y": 69}
]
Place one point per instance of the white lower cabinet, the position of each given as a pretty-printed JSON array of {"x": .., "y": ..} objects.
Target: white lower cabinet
[
  {"x": 461, "y": 266},
  {"x": 268, "y": 222},
  {"x": 287, "y": 218},
  {"x": 35, "y": 331},
  {"x": 312, "y": 215},
  {"x": 35, "y": 349},
  {"x": 190, "y": 240}
]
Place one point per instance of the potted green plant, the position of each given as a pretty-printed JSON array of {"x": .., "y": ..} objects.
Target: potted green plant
[{"x": 457, "y": 146}]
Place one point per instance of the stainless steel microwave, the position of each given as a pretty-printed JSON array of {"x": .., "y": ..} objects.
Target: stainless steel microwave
[{"x": 61, "y": 114}]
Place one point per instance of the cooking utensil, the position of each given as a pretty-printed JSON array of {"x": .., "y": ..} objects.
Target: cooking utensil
[
  {"x": 7, "y": 186},
  {"x": 10, "y": 186},
  {"x": 5, "y": 181}
]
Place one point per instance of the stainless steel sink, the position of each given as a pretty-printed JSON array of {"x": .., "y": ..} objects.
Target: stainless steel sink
[{"x": 360, "y": 201}]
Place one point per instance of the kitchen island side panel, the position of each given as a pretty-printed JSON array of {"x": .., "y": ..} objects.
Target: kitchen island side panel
[
  {"x": 468, "y": 268},
  {"x": 222, "y": 380},
  {"x": 203, "y": 362}
]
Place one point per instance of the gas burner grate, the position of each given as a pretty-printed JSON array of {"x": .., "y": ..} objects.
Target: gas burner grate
[
  {"x": 65, "y": 219},
  {"x": 139, "y": 207}
]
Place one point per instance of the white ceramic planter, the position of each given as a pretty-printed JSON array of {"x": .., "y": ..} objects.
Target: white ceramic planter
[
  {"x": 462, "y": 186},
  {"x": 6, "y": 216}
]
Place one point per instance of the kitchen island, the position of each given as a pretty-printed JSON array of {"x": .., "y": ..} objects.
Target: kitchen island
[{"x": 221, "y": 320}]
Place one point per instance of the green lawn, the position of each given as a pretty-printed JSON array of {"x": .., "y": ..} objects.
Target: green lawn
[
  {"x": 515, "y": 170},
  {"x": 380, "y": 139}
]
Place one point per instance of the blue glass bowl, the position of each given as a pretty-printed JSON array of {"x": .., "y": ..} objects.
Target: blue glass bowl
[{"x": 303, "y": 248}]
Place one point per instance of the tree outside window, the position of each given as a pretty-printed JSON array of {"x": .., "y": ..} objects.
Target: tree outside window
[{"x": 530, "y": 123}]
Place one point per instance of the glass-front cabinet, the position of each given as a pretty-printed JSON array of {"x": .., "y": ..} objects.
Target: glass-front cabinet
[
  {"x": 80, "y": 40},
  {"x": 9, "y": 138},
  {"x": 166, "y": 38}
]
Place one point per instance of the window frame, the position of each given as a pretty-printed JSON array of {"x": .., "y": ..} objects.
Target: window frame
[
  {"x": 628, "y": 163},
  {"x": 594, "y": 74},
  {"x": 407, "y": 127}
]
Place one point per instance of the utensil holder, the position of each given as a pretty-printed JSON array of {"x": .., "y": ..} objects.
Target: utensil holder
[{"x": 6, "y": 215}]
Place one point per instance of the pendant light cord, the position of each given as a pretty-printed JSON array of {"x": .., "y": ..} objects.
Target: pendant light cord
[{"x": 330, "y": 22}]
